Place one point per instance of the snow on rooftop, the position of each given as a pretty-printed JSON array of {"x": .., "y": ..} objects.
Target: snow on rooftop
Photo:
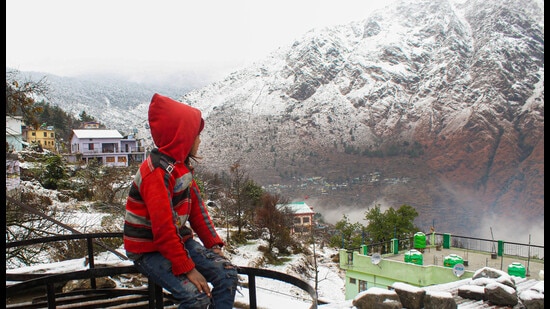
[
  {"x": 298, "y": 207},
  {"x": 94, "y": 133}
]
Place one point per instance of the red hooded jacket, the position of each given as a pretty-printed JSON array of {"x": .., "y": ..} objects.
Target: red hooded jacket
[{"x": 161, "y": 202}]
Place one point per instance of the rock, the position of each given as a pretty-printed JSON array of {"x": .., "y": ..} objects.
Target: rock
[
  {"x": 377, "y": 298},
  {"x": 439, "y": 300},
  {"x": 474, "y": 292},
  {"x": 501, "y": 294},
  {"x": 533, "y": 298},
  {"x": 85, "y": 284},
  {"x": 411, "y": 297}
]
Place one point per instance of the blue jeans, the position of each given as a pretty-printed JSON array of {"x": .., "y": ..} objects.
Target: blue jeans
[{"x": 216, "y": 270}]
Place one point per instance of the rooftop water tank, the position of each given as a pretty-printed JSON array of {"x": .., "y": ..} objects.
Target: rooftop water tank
[
  {"x": 414, "y": 256},
  {"x": 419, "y": 240},
  {"x": 452, "y": 259},
  {"x": 516, "y": 269}
]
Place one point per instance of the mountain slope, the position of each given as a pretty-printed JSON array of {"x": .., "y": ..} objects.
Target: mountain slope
[
  {"x": 444, "y": 100},
  {"x": 118, "y": 103}
]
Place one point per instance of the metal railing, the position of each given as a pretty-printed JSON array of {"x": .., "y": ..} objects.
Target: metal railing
[
  {"x": 498, "y": 247},
  {"x": 153, "y": 294}
]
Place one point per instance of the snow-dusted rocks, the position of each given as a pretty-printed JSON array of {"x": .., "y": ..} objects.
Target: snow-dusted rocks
[
  {"x": 84, "y": 284},
  {"x": 500, "y": 294},
  {"x": 376, "y": 298},
  {"x": 499, "y": 288},
  {"x": 533, "y": 298},
  {"x": 411, "y": 297},
  {"x": 439, "y": 300},
  {"x": 488, "y": 288},
  {"x": 475, "y": 292}
]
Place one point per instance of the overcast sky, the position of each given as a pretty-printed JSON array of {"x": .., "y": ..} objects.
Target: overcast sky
[{"x": 68, "y": 37}]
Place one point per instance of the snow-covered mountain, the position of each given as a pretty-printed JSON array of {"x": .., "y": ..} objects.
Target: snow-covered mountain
[
  {"x": 116, "y": 102},
  {"x": 436, "y": 104}
]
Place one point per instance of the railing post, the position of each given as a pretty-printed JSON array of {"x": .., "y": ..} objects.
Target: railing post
[
  {"x": 159, "y": 296},
  {"x": 446, "y": 241},
  {"x": 350, "y": 256},
  {"x": 51, "y": 295},
  {"x": 500, "y": 250},
  {"x": 151, "y": 288},
  {"x": 252, "y": 291},
  {"x": 91, "y": 262}
]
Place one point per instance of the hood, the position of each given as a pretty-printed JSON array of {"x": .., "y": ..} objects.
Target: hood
[{"x": 174, "y": 126}]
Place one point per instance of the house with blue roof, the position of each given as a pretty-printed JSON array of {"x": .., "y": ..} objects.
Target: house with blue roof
[{"x": 302, "y": 216}]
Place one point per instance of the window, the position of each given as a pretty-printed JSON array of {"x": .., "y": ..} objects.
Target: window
[
  {"x": 90, "y": 146},
  {"x": 110, "y": 159},
  {"x": 350, "y": 257},
  {"x": 52, "y": 135},
  {"x": 297, "y": 220},
  {"x": 121, "y": 159},
  {"x": 362, "y": 285},
  {"x": 33, "y": 133},
  {"x": 45, "y": 134},
  {"x": 306, "y": 219},
  {"x": 352, "y": 280}
]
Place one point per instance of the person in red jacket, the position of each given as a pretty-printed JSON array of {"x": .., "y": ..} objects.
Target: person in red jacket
[{"x": 164, "y": 211}]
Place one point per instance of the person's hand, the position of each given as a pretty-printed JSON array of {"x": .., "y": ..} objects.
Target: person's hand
[
  {"x": 218, "y": 251},
  {"x": 199, "y": 281}
]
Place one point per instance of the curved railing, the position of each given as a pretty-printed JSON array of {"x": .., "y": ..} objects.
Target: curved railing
[{"x": 151, "y": 297}]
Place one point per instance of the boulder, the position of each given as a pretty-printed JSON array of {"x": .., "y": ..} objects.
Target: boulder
[
  {"x": 533, "y": 298},
  {"x": 377, "y": 298},
  {"x": 85, "y": 284},
  {"x": 410, "y": 296},
  {"x": 470, "y": 291},
  {"x": 439, "y": 300},
  {"x": 501, "y": 294}
]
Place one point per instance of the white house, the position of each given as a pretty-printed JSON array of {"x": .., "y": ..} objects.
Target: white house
[
  {"x": 108, "y": 147},
  {"x": 302, "y": 216},
  {"x": 14, "y": 133}
]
